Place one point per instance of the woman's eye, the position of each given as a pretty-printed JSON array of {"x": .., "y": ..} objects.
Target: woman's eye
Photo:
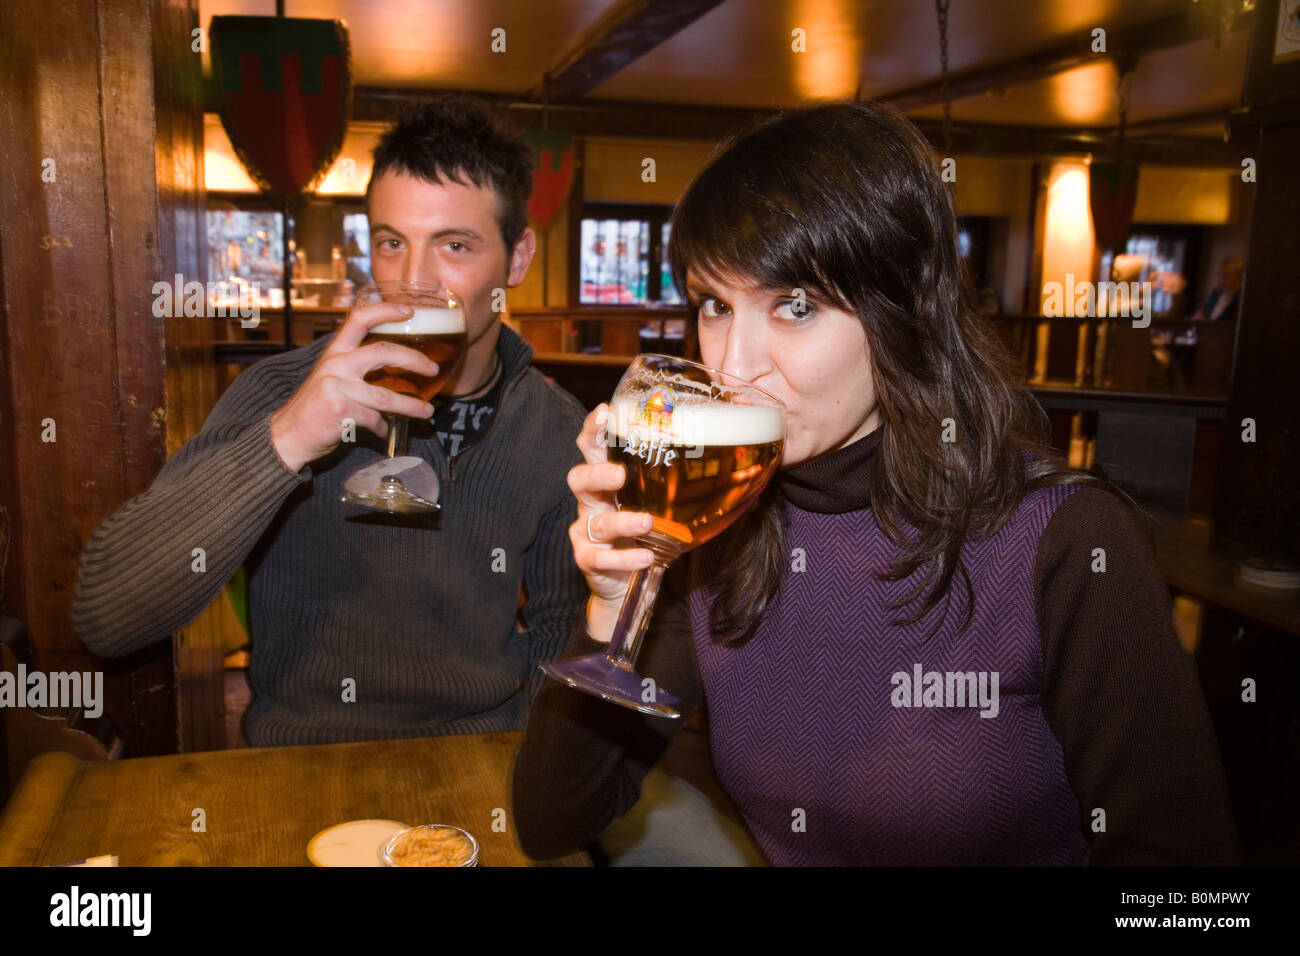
[
  {"x": 796, "y": 311},
  {"x": 709, "y": 307}
]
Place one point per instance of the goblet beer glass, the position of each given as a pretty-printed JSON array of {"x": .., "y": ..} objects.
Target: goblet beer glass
[
  {"x": 436, "y": 327},
  {"x": 698, "y": 446}
]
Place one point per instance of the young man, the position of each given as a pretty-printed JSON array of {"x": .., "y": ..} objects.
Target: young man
[{"x": 386, "y": 627}]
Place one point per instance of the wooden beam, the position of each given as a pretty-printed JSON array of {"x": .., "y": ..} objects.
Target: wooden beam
[
  {"x": 1129, "y": 42},
  {"x": 711, "y": 123},
  {"x": 987, "y": 139},
  {"x": 588, "y": 117},
  {"x": 627, "y": 31},
  {"x": 1220, "y": 115}
]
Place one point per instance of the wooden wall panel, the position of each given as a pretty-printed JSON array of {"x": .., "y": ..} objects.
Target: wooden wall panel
[{"x": 79, "y": 255}]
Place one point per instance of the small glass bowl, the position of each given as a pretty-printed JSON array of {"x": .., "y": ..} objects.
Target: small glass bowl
[{"x": 385, "y": 852}]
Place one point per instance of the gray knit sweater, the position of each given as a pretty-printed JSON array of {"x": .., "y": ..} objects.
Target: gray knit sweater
[{"x": 359, "y": 630}]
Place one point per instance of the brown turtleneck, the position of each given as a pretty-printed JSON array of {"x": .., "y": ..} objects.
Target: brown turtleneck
[
  {"x": 835, "y": 482},
  {"x": 1111, "y": 662}
]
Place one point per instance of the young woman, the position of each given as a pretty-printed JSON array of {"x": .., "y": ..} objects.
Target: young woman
[{"x": 929, "y": 642}]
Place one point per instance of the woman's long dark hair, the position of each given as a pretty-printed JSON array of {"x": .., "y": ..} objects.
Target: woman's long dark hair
[{"x": 845, "y": 201}]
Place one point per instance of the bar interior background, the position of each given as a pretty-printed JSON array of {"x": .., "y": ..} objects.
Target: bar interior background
[{"x": 148, "y": 186}]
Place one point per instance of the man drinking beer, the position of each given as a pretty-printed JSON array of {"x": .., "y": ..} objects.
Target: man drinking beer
[{"x": 388, "y": 627}]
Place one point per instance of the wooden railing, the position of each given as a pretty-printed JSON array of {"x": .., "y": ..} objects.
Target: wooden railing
[
  {"x": 1152, "y": 417},
  {"x": 1104, "y": 352},
  {"x": 1085, "y": 352},
  {"x": 606, "y": 330}
]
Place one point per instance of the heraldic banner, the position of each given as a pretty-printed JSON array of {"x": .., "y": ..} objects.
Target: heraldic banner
[
  {"x": 284, "y": 89},
  {"x": 1112, "y": 196},
  {"x": 553, "y": 156}
]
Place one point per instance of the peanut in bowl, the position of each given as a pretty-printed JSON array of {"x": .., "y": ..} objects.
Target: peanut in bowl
[{"x": 435, "y": 844}]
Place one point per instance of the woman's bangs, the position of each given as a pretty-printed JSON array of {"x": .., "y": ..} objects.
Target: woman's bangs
[{"x": 724, "y": 232}]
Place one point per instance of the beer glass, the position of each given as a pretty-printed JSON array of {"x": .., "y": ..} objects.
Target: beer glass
[
  {"x": 698, "y": 446},
  {"x": 401, "y": 483}
]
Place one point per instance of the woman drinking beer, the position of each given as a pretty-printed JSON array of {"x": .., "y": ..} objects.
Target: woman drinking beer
[{"x": 929, "y": 641}]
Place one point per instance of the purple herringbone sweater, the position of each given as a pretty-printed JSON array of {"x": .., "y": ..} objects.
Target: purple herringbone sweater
[
  {"x": 1102, "y": 748},
  {"x": 828, "y": 771}
]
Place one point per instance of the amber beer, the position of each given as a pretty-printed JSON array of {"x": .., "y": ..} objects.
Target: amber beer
[
  {"x": 698, "y": 445},
  {"x": 695, "y": 469},
  {"x": 437, "y": 332}
]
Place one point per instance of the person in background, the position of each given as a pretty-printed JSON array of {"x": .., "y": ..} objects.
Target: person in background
[
  {"x": 1174, "y": 354},
  {"x": 1223, "y": 301}
]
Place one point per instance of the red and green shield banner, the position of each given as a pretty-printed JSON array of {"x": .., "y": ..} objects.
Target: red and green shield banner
[
  {"x": 1112, "y": 194},
  {"x": 552, "y": 174},
  {"x": 284, "y": 90}
]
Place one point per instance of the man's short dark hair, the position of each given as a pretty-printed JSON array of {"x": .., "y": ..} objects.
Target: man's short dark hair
[{"x": 457, "y": 137}]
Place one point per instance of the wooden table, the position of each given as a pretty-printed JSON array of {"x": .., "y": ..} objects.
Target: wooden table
[
  {"x": 262, "y": 806},
  {"x": 1190, "y": 564}
]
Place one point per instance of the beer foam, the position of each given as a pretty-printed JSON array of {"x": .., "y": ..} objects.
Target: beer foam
[
  {"x": 424, "y": 321},
  {"x": 707, "y": 423}
]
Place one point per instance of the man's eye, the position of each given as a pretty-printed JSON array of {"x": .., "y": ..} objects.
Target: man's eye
[
  {"x": 456, "y": 245},
  {"x": 388, "y": 243}
]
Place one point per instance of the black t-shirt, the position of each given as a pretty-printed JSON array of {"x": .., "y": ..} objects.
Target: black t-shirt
[{"x": 459, "y": 422}]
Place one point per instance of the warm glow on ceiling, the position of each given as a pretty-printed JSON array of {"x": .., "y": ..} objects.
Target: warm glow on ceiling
[
  {"x": 1085, "y": 96},
  {"x": 223, "y": 172},
  {"x": 829, "y": 67}
]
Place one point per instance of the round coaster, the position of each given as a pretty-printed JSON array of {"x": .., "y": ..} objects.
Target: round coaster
[
  {"x": 355, "y": 843},
  {"x": 1269, "y": 574}
]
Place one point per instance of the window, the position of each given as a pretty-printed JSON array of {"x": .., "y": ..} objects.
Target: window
[
  {"x": 329, "y": 238},
  {"x": 1166, "y": 257},
  {"x": 356, "y": 246},
  {"x": 667, "y": 291},
  {"x": 245, "y": 244},
  {"x": 623, "y": 258}
]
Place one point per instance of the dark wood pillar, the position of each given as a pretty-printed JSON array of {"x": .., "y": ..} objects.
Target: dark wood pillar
[
  {"x": 1258, "y": 504},
  {"x": 101, "y": 151}
]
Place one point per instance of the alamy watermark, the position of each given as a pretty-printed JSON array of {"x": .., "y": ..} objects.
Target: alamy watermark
[
  {"x": 216, "y": 300},
  {"x": 59, "y": 689},
  {"x": 946, "y": 689},
  {"x": 1093, "y": 299},
  {"x": 75, "y": 908}
]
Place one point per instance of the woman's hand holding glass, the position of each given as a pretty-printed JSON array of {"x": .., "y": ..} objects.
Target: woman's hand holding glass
[
  {"x": 697, "y": 446},
  {"x": 609, "y": 556}
]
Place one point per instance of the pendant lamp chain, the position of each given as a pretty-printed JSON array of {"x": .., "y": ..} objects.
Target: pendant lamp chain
[{"x": 941, "y": 11}]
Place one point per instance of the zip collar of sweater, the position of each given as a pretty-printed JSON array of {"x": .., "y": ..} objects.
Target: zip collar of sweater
[
  {"x": 835, "y": 482},
  {"x": 516, "y": 356}
]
